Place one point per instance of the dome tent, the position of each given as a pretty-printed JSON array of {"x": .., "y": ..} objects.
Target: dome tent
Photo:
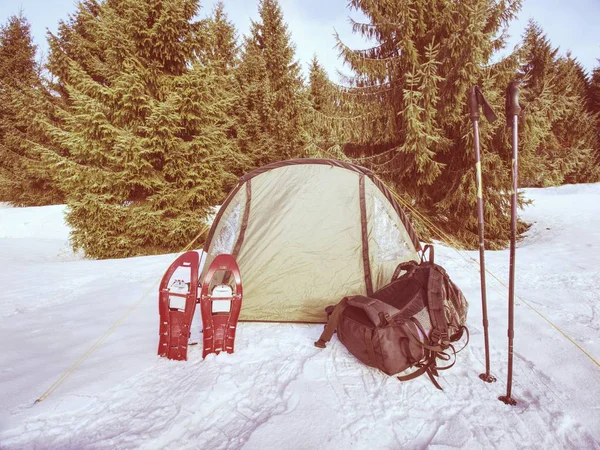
[{"x": 308, "y": 232}]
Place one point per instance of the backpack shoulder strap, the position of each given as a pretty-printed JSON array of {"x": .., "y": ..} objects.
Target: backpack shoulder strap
[{"x": 435, "y": 302}]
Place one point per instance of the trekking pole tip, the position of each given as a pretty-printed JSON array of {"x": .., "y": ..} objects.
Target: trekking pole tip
[
  {"x": 507, "y": 400},
  {"x": 487, "y": 377}
]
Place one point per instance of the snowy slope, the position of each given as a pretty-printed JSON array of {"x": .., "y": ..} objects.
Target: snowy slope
[{"x": 278, "y": 390}]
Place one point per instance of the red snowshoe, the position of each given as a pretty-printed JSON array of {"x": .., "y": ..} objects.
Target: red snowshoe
[
  {"x": 221, "y": 308},
  {"x": 177, "y": 300}
]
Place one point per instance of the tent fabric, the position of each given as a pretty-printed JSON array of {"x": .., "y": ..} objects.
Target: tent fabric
[{"x": 307, "y": 233}]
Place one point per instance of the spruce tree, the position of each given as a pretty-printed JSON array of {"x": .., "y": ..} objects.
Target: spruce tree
[
  {"x": 75, "y": 41},
  {"x": 219, "y": 50},
  {"x": 144, "y": 126},
  {"x": 220, "y": 47},
  {"x": 411, "y": 124},
  {"x": 576, "y": 131},
  {"x": 272, "y": 98},
  {"x": 318, "y": 86},
  {"x": 539, "y": 58},
  {"x": 593, "y": 96},
  {"x": 24, "y": 179},
  {"x": 322, "y": 99},
  {"x": 17, "y": 51},
  {"x": 558, "y": 130},
  {"x": 541, "y": 107},
  {"x": 593, "y": 90}
]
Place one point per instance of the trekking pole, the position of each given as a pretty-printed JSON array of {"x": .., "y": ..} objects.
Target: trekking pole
[
  {"x": 475, "y": 98},
  {"x": 512, "y": 117}
]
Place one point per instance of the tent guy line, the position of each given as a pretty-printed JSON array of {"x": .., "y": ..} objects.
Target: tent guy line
[
  {"x": 63, "y": 377},
  {"x": 432, "y": 227},
  {"x": 444, "y": 236},
  {"x": 456, "y": 247}
]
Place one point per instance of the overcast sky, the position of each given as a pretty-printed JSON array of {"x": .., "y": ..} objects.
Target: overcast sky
[{"x": 570, "y": 25}]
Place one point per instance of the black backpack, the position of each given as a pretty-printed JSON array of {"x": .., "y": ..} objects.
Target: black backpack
[{"x": 410, "y": 322}]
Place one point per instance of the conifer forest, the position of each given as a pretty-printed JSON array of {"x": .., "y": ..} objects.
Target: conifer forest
[{"x": 144, "y": 114}]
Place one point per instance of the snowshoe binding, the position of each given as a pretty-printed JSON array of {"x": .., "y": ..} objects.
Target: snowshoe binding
[{"x": 220, "y": 303}]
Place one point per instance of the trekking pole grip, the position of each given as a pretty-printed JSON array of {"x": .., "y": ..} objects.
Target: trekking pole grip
[
  {"x": 473, "y": 103},
  {"x": 512, "y": 101}
]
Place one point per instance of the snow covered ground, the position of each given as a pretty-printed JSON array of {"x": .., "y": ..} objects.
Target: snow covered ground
[{"x": 278, "y": 390}]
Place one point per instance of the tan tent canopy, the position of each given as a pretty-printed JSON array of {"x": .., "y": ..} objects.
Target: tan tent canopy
[{"x": 308, "y": 232}]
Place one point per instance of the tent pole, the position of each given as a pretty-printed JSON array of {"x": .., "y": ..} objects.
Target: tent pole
[
  {"x": 475, "y": 99},
  {"x": 512, "y": 114}
]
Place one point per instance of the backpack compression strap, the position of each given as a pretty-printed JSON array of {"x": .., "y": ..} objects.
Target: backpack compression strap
[
  {"x": 332, "y": 323},
  {"x": 433, "y": 351},
  {"x": 429, "y": 366}
]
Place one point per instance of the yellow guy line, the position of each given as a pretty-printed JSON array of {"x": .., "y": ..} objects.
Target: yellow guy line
[
  {"x": 114, "y": 326},
  {"x": 454, "y": 244}
]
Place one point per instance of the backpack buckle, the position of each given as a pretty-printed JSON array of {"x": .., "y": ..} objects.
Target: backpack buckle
[
  {"x": 445, "y": 339},
  {"x": 384, "y": 319},
  {"x": 437, "y": 337}
]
